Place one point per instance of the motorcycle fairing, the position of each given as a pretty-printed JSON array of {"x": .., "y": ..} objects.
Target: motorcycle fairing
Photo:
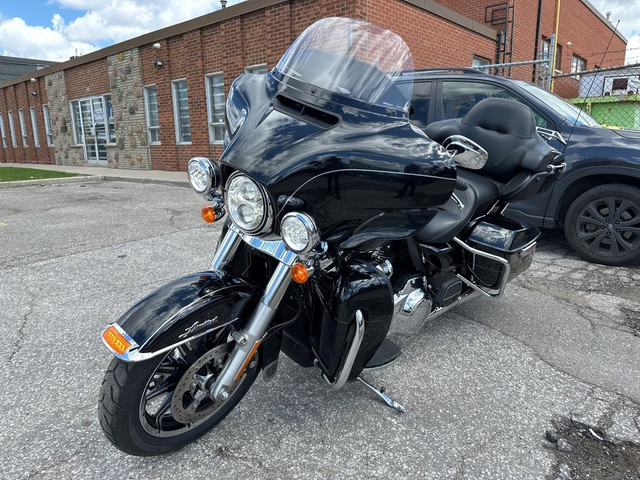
[
  {"x": 362, "y": 287},
  {"x": 346, "y": 173},
  {"x": 183, "y": 310}
]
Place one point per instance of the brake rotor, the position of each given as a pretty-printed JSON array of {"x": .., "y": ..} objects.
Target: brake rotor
[{"x": 190, "y": 403}]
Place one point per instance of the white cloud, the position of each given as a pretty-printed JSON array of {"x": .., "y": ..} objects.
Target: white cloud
[
  {"x": 102, "y": 24},
  {"x": 628, "y": 13},
  {"x": 17, "y": 39}
]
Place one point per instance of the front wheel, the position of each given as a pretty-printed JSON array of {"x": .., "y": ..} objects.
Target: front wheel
[
  {"x": 603, "y": 225},
  {"x": 160, "y": 405}
]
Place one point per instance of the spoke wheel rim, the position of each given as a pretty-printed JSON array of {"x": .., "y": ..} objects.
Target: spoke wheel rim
[
  {"x": 609, "y": 226},
  {"x": 157, "y": 412}
]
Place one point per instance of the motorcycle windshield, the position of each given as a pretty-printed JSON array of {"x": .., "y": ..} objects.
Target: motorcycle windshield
[{"x": 352, "y": 59}]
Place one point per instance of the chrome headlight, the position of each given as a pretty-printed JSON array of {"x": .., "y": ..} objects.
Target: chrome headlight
[
  {"x": 299, "y": 232},
  {"x": 204, "y": 175},
  {"x": 247, "y": 204}
]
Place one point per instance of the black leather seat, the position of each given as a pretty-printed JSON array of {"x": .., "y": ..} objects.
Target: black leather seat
[
  {"x": 506, "y": 129},
  {"x": 450, "y": 219},
  {"x": 515, "y": 170}
]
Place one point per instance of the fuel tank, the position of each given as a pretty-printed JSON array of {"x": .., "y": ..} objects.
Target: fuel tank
[{"x": 361, "y": 173}]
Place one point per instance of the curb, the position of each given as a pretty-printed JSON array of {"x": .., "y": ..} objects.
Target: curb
[
  {"x": 53, "y": 181},
  {"x": 157, "y": 181}
]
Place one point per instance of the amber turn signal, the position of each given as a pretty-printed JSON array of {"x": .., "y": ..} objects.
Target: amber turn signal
[
  {"x": 208, "y": 214},
  {"x": 115, "y": 340},
  {"x": 299, "y": 273}
]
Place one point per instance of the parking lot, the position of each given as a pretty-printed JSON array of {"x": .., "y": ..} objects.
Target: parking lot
[{"x": 541, "y": 383}]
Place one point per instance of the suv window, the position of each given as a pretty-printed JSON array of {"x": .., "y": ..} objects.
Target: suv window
[
  {"x": 459, "y": 96},
  {"x": 419, "y": 112}
]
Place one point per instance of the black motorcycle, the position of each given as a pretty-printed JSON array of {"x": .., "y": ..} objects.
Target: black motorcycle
[{"x": 346, "y": 225}]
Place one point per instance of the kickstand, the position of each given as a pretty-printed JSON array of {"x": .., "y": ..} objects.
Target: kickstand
[{"x": 382, "y": 394}]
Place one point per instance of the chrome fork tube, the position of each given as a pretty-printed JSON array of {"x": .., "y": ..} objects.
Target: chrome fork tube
[
  {"x": 248, "y": 339},
  {"x": 225, "y": 252}
]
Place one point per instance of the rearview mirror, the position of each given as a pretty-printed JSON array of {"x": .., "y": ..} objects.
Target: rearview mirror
[{"x": 466, "y": 152}]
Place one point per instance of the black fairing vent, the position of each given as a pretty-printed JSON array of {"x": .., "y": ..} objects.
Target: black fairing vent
[{"x": 304, "y": 112}]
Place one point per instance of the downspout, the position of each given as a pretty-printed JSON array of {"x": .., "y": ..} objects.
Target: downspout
[
  {"x": 555, "y": 43},
  {"x": 536, "y": 44}
]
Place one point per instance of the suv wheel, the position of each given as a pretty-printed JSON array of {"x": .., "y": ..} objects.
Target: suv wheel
[{"x": 603, "y": 224}]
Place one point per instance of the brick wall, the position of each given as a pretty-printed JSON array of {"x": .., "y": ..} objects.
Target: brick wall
[
  {"x": 261, "y": 37},
  {"x": 24, "y": 96},
  {"x": 88, "y": 80},
  {"x": 434, "y": 42},
  {"x": 588, "y": 35}
]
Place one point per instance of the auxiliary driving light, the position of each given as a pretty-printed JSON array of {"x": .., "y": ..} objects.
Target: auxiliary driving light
[
  {"x": 204, "y": 175},
  {"x": 299, "y": 232}
]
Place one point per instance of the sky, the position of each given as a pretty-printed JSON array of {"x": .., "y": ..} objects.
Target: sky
[{"x": 58, "y": 29}]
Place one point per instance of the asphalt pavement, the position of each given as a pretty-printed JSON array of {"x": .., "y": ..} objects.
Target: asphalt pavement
[{"x": 490, "y": 387}]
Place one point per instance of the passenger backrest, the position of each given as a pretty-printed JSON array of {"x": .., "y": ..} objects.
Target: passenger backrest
[{"x": 507, "y": 130}]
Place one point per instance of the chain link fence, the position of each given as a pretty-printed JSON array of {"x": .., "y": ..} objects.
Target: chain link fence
[{"x": 610, "y": 95}]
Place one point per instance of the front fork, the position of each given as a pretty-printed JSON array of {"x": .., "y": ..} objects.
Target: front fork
[{"x": 249, "y": 338}]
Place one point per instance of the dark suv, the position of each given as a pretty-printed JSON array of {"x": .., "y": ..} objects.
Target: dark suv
[{"x": 597, "y": 197}]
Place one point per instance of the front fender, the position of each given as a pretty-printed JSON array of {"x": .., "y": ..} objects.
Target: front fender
[{"x": 177, "y": 312}]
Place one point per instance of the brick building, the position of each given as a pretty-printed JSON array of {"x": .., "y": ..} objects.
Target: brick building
[{"x": 157, "y": 100}]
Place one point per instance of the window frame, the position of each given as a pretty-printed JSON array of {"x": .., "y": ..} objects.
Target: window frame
[
  {"x": 211, "y": 108},
  {"x": 3, "y": 132},
  {"x": 481, "y": 62},
  {"x": 438, "y": 98},
  {"x": 34, "y": 126},
  {"x": 176, "y": 115},
  {"x": 150, "y": 128},
  {"x": 23, "y": 128},
  {"x": 74, "y": 107},
  {"x": 47, "y": 124},
  {"x": 108, "y": 121},
  {"x": 576, "y": 60},
  {"x": 12, "y": 129},
  {"x": 257, "y": 66},
  {"x": 546, "y": 42}
]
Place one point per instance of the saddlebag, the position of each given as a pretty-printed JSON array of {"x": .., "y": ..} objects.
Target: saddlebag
[{"x": 505, "y": 238}]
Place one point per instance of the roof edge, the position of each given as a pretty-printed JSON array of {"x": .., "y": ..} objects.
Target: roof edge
[
  {"x": 605, "y": 21},
  {"x": 151, "y": 37},
  {"x": 454, "y": 17}
]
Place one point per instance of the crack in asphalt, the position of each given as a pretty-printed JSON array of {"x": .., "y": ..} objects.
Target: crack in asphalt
[
  {"x": 59, "y": 462},
  {"x": 475, "y": 451},
  {"x": 17, "y": 346},
  {"x": 547, "y": 362}
]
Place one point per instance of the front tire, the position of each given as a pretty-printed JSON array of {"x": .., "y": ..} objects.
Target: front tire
[
  {"x": 154, "y": 407},
  {"x": 603, "y": 225}
]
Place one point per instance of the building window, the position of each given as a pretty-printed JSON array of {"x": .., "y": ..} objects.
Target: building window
[
  {"x": 2, "y": 132},
  {"x": 259, "y": 69},
  {"x": 110, "y": 123},
  {"x": 546, "y": 51},
  {"x": 47, "y": 125},
  {"x": 34, "y": 126},
  {"x": 12, "y": 129},
  {"x": 479, "y": 61},
  {"x": 181, "y": 111},
  {"x": 151, "y": 109},
  {"x": 23, "y": 127},
  {"x": 76, "y": 121},
  {"x": 215, "y": 107},
  {"x": 91, "y": 117},
  {"x": 578, "y": 64}
]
